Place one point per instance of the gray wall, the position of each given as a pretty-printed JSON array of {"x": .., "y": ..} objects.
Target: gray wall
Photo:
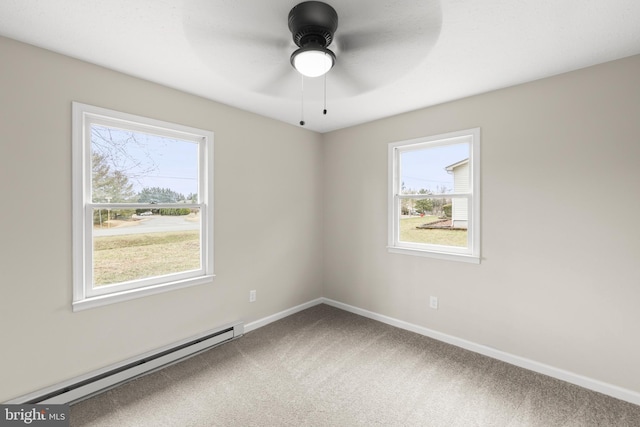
[
  {"x": 559, "y": 281},
  {"x": 267, "y": 221}
]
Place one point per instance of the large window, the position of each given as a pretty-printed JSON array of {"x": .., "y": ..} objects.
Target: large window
[
  {"x": 142, "y": 206},
  {"x": 434, "y": 196}
]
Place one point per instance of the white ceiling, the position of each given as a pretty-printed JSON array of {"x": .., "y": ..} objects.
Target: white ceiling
[{"x": 393, "y": 56}]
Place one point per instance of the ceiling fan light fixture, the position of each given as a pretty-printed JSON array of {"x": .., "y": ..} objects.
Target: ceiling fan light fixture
[{"x": 313, "y": 60}]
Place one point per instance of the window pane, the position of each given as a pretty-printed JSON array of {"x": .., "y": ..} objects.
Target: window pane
[
  {"x": 435, "y": 170},
  {"x": 437, "y": 221},
  {"x": 136, "y": 167},
  {"x": 131, "y": 244}
]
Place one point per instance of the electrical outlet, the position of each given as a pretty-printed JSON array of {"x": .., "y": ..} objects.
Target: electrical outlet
[
  {"x": 252, "y": 296},
  {"x": 433, "y": 302}
]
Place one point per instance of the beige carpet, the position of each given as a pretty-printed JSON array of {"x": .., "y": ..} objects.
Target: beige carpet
[{"x": 328, "y": 367}]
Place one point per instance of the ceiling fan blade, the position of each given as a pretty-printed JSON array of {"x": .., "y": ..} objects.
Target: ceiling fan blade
[
  {"x": 378, "y": 52},
  {"x": 282, "y": 81},
  {"x": 248, "y": 45},
  {"x": 249, "y": 65},
  {"x": 342, "y": 82}
]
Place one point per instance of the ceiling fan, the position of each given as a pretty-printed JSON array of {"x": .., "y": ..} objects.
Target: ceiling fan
[
  {"x": 376, "y": 43},
  {"x": 312, "y": 24}
]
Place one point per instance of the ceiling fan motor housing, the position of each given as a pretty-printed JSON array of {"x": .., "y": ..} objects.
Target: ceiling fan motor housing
[{"x": 313, "y": 22}]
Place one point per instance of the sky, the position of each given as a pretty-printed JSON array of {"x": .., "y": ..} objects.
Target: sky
[
  {"x": 155, "y": 161},
  {"x": 425, "y": 168},
  {"x": 150, "y": 160}
]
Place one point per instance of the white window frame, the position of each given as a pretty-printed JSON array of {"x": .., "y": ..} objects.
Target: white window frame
[
  {"x": 84, "y": 294},
  {"x": 471, "y": 253}
]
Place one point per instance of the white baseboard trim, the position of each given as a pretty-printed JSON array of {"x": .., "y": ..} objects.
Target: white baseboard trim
[
  {"x": 281, "y": 315},
  {"x": 570, "y": 377}
]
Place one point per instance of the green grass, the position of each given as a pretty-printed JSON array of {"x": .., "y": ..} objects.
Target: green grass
[
  {"x": 409, "y": 233},
  {"x": 136, "y": 256},
  {"x": 119, "y": 259}
]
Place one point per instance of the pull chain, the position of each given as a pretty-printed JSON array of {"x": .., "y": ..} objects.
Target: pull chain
[
  {"x": 325, "y": 95},
  {"x": 324, "y": 111},
  {"x": 301, "y": 100}
]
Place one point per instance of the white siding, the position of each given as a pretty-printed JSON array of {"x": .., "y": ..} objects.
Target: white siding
[{"x": 460, "y": 208}]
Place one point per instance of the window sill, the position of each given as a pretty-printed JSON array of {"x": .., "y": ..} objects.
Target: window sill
[
  {"x": 472, "y": 259},
  {"x": 99, "y": 301}
]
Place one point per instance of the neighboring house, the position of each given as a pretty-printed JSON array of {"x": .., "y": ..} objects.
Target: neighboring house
[{"x": 459, "y": 208}]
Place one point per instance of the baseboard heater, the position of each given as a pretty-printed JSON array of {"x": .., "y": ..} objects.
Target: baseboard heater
[{"x": 83, "y": 387}]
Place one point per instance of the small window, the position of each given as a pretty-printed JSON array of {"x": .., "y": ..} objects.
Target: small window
[
  {"x": 434, "y": 196},
  {"x": 142, "y": 206}
]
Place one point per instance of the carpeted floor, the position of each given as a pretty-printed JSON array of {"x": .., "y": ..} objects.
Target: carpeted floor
[{"x": 327, "y": 367}]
